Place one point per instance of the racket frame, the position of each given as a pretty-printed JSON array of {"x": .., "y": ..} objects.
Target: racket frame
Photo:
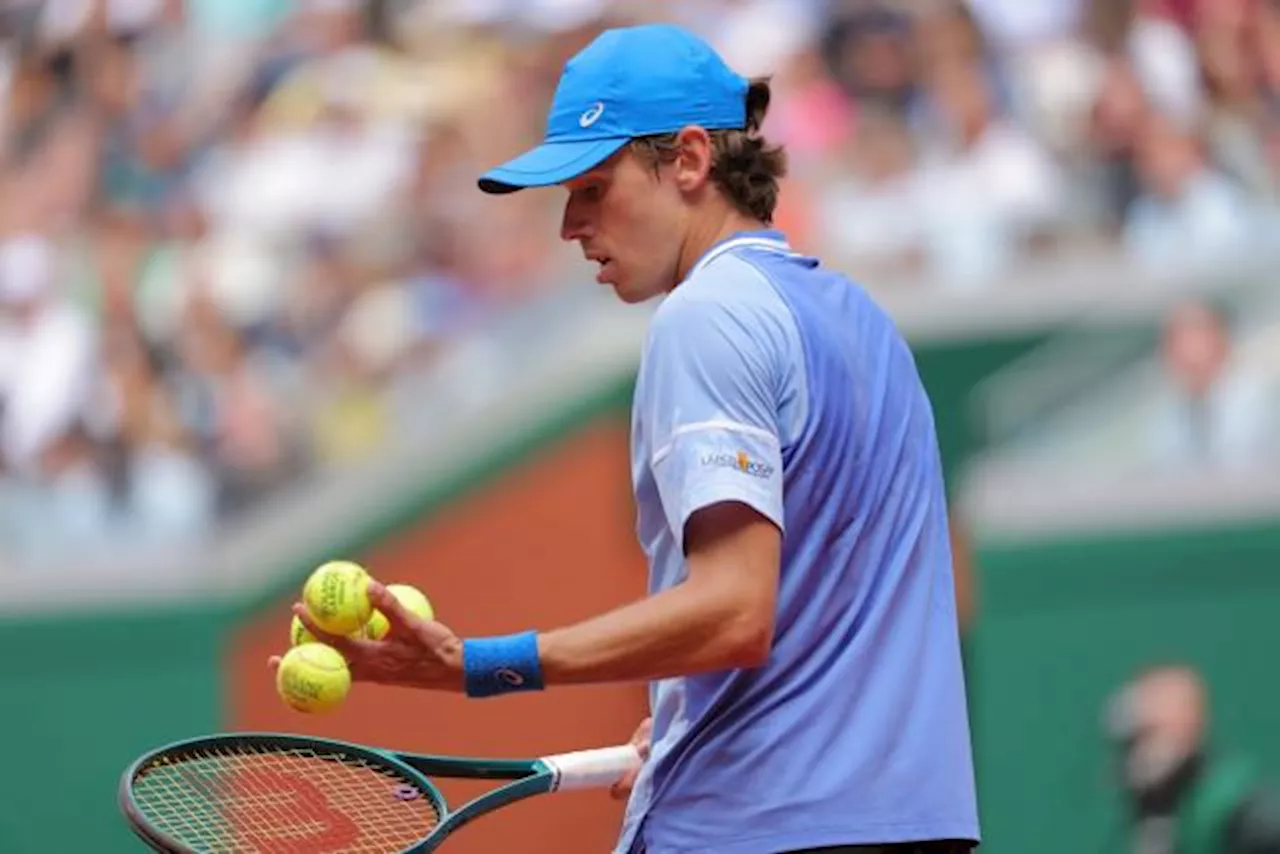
[{"x": 529, "y": 777}]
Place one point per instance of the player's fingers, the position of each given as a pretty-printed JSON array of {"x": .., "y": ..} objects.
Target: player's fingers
[
  {"x": 341, "y": 644},
  {"x": 385, "y": 601},
  {"x": 643, "y": 737},
  {"x": 622, "y": 788},
  {"x": 404, "y": 622},
  {"x": 273, "y": 662}
]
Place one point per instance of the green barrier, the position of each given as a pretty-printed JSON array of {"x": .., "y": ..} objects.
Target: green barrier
[
  {"x": 950, "y": 372},
  {"x": 1062, "y": 623},
  {"x": 81, "y": 698}
]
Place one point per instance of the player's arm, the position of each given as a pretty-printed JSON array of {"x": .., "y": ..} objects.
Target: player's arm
[
  {"x": 720, "y": 617},
  {"x": 711, "y": 380}
]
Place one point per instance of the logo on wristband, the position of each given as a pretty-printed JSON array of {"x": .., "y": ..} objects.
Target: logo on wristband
[{"x": 511, "y": 677}]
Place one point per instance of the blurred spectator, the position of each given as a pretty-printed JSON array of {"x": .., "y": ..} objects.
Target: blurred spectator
[
  {"x": 945, "y": 37},
  {"x": 1216, "y": 411},
  {"x": 46, "y": 355},
  {"x": 1017, "y": 27},
  {"x": 1119, "y": 114},
  {"x": 1187, "y": 213},
  {"x": 812, "y": 118},
  {"x": 1161, "y": 48},
  {"x": 1183, "y": 794},
  {"x": 1236, "y": 113},
  {"x": 160, "y": 486},
  {"x": 868, "y": 50},
  {"x": 872, "y": 208},
  {"x": 228, "y": 405},
  {"x": 992, "y": 188}
]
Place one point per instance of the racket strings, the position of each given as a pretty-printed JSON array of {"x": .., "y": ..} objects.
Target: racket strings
[{"x": 253, "y": 799}]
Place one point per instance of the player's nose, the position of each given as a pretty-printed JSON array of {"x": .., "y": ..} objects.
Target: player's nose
[{"x": 575, "y": 225}]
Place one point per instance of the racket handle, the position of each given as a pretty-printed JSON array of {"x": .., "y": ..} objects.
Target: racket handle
[{"x": 593, "y": 769}]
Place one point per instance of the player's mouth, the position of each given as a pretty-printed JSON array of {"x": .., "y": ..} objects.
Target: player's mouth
[{"x": 604, "y": 275}]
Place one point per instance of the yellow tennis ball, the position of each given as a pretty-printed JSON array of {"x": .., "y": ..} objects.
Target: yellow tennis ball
[
  {"x": 313, "y": 678},
  {"x": 337, "y": 597},
  {"x": 298, "y": 634},
  {"x": 411, "y": 598}
]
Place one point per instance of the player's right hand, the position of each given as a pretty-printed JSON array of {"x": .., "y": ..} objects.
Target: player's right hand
[
  {"x": 644, "y": 732},
  {"x": 414, "y": 653}
]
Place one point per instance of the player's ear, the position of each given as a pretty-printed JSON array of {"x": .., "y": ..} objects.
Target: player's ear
[{"x": 693, "y": 161}]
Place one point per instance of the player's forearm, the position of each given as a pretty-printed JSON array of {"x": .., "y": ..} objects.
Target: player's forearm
[{"x": 688, "y": 629}]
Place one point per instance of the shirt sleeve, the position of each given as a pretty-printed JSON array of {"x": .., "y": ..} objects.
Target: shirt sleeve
[{"x": 712, "y": 374}]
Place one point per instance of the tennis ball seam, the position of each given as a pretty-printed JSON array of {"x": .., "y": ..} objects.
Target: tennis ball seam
[{"x": 309, "y": 656}]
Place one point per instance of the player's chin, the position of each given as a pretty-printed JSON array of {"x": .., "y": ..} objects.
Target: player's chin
[
  {"x": 629, "y": 297},
  {"x": 628, "y": 291}
]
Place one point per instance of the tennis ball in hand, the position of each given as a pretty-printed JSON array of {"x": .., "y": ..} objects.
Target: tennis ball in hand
[
  {"x": 411, "y": 598},
  {"x": 337, "y": 597},
  {"x": 313, "y": 678},
  {"x": 298, "y": 634}
]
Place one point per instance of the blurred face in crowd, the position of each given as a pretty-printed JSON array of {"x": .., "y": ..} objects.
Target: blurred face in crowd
[
  {"x": 1195, "y": 347},
  {"x": 946, "y": 37},
  {"x": 1164, "y": 712},
  {"x": 1168, "y": 158},
  {"x": 874, "y": 59},
  {"x": 1120, "y": 110},
  {"x": 963, "y": 97},
  {"x": 631, "y": 218}
]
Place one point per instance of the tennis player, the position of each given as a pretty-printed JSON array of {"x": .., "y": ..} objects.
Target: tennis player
[{"x": 800, "y": 636}]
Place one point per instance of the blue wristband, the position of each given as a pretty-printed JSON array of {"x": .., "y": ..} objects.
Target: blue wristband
[{"x": 502, "y": 665}]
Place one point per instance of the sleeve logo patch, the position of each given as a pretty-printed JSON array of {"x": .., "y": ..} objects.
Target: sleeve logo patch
[{"x": 740, "y": 461}]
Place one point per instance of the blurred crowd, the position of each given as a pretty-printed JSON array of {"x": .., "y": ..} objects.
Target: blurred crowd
[
  {"x": 229, "y": 228},
  {"x": 1219, "y": 404}
]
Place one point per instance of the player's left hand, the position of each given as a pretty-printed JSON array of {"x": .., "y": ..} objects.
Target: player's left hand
[
  {"x": 415, "y": 653},
  {"x": 641, "y": 740}
]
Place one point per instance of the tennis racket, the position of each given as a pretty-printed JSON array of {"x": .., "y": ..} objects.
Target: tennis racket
[{"x": 263, "y": 793}]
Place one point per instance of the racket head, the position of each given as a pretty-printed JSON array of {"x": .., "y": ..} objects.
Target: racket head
[{"x": 257, "y": 792}]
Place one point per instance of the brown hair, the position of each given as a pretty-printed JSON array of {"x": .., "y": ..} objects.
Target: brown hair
[{"x": 744, "y": 166}]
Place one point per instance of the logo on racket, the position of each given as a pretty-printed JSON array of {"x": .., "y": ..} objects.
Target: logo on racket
[{"x": 511, "y": 677}]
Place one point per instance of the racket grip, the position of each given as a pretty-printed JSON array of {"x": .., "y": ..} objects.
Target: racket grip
[{"x": 593, "y": 769}]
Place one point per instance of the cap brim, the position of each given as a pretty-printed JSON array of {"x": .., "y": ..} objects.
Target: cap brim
[{"x": 549, "y": 164}]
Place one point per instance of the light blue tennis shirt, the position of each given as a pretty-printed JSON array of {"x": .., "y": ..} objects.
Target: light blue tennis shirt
[{"x": 770, "y": 380}]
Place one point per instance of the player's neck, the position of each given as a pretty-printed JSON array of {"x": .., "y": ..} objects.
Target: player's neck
[{"x": 709, "y": 232}]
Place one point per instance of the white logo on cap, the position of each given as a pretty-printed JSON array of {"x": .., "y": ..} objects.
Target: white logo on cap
[{"x": 588, "y": 118}]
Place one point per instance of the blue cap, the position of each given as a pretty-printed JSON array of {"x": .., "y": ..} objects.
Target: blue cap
[{"x": 629, "y": 82}]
